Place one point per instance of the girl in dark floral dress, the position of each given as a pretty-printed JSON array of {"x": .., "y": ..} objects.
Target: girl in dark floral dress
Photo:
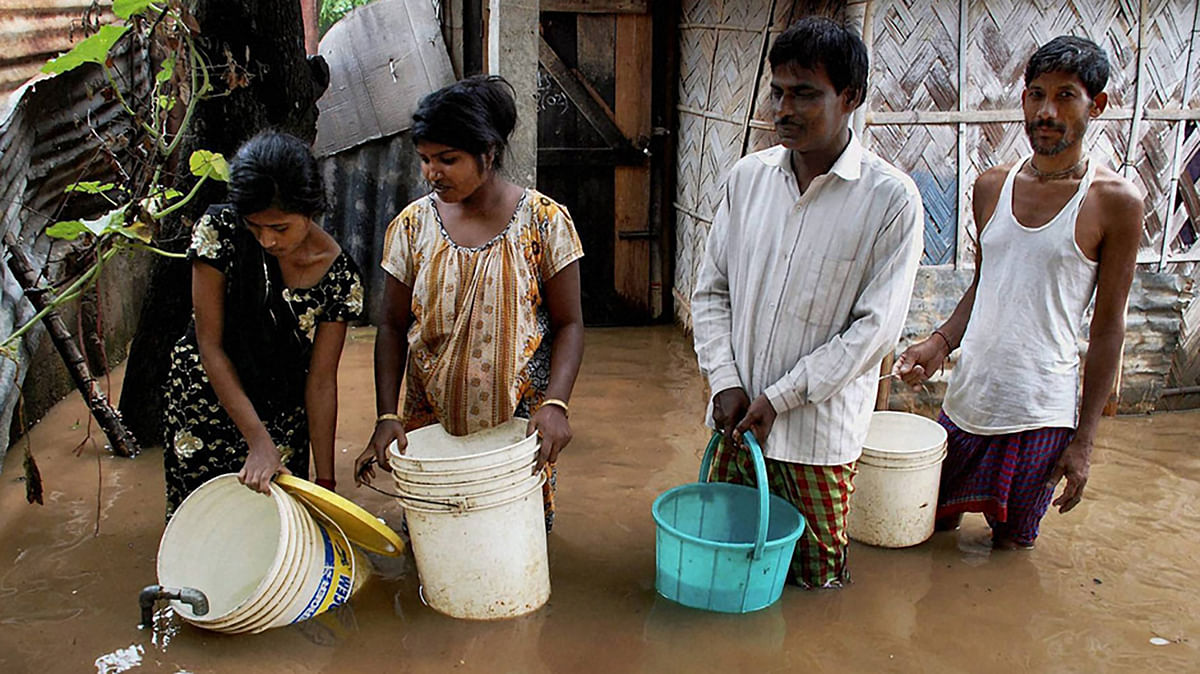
[{"x": 253, "y": 382}]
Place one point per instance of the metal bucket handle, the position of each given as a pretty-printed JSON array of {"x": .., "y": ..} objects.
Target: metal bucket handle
[{"x": 760, "y": 474}]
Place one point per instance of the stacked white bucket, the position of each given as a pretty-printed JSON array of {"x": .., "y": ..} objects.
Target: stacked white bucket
[
  {"x": 261, "y": 562},
  {"x": 896, "y": 490},
  {"x": 475, "y": 518}
]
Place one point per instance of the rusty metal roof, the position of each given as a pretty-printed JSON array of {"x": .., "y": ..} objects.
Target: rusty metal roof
[{"x": 35, "y": 31}]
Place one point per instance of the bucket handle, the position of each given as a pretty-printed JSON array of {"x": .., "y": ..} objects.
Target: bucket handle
[{"x": 760, "y": 475}]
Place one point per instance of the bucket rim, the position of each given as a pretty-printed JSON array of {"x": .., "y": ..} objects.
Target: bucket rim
[
  {"x": 769, "y": 543},
  {"x": 925, "y": 421},
  {"x": 446, "y": 460}
]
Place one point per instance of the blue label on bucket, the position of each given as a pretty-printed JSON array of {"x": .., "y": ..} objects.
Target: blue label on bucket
[{"x": 318, "y": 598}]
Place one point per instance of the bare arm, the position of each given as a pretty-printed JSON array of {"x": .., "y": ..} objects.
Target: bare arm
[
  {"x": 320, "y": 394},
  {"x": 391, "y": 356},
  {"x": 208, "y": 300},
  {"x": 566, "y": 354},
  {"x": 1118, "y": 259}
]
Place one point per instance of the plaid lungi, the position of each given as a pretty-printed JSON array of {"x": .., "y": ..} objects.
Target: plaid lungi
[
  {"x": 821, "y": 493},
  {"x": 1002, "y": 476}
]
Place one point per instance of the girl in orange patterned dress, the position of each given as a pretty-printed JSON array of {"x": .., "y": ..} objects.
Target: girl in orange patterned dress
[{"x": 482, "y": 300}]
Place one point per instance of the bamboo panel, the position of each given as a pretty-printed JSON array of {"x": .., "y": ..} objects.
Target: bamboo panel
[
  {"x": 1151, "y": 163},
  {"x": 1184, "y": 221},
  {"x": 761, "y": 139},
  {"x": 914, "y": 64},
  {"x": 751, "y": 13},
  {"x": 927, "y": 154},
  {"x": 685, "y": 256},
  {"x": 722, "y": 148},
  {"x": 696, "y": 47},
  {"x": 690, "y": 155},
  {"x": 702, "y": 11},
  {"x": 734, "y": 68},
  {"x": 1168, "y": 36},
  {"x": 998, "y": 54}
]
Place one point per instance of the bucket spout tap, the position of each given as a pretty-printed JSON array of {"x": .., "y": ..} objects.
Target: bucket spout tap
[{"x": 152, "y": 593}]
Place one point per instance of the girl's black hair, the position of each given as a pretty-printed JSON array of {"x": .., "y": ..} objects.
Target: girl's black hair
[
  {"x": 276, "y": 170},
  {"x": 476, "y": 115},
  {"x": 271, "y": 170}
]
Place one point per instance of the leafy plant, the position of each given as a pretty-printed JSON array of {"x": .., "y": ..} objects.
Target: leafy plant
[
  {"x": 332, "y": 11},
  {"x": 137, "y": 204}
]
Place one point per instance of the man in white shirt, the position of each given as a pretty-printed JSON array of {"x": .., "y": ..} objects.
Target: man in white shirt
[
  {"x": 803, "y": 288},
  {"x": 1053, "y": 229}
]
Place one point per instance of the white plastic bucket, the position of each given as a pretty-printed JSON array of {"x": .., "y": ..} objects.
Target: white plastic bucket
[
  {"x": 406, "y": 472},
  {"x": 514, "y": 476},
  {"x": 261, "y": 561},
  {"x": 895, "y": 493},
  {"x": 432, "y": 449},
  {"x": 484, "y": 560}
]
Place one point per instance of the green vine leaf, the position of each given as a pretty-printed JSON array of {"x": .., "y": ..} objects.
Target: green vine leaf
[
  {"x": 166, "y": 103},
  {"x": 69, "y": 230},
  {"x": 90, "y": 187},
  {"x": 127, "y": 8},
  {"x": 92, "y": 50},
  {"x": 167, "y": 71},
  {"x": 205, "y": 164}
]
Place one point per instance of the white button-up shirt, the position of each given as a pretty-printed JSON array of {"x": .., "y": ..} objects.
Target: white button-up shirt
[{"x": 799, "y": 296}]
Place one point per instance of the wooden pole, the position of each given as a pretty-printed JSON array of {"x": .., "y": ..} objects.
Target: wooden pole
[{"x": 120, "y": 440}]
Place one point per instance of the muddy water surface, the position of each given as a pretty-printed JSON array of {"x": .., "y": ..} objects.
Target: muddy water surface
[{"x": 1104, "y": 581}]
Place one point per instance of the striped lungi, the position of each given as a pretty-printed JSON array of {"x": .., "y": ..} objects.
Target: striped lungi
[
  {"x": 1002, "y": 476},
  {"x": 821, "y": 493}
]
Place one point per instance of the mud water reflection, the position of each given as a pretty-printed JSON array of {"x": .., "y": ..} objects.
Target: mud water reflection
[{"x": 1104, "y": 581}]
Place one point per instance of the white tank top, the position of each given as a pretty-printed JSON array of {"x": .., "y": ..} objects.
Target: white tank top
[{"x": 1019, "y": 365}]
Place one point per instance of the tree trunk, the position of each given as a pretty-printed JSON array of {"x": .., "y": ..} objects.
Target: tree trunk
[
  {"x": 265, "y": 41},
  {"x": 119, "y": 439}
]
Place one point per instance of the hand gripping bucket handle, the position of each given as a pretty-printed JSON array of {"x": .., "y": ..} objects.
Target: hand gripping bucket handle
[{"x": 760, "y": 475}]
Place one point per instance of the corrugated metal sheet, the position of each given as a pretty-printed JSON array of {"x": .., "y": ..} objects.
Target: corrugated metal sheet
[
  {"x": 34, "y": 31},
  {"x": 50, "y": 137},
  {"x": 368, "y": 185}
]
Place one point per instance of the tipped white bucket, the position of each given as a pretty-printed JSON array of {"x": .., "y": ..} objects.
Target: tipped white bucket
[
  {"x": 895, "y": 493},
  {"x": 261, "y": 561}
]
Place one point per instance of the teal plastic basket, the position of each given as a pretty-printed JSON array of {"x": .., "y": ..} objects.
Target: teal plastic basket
[{"x": 724, "y": 547}]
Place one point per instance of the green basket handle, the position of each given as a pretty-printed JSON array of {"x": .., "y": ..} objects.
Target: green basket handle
[{"x": 760, "y": 474}]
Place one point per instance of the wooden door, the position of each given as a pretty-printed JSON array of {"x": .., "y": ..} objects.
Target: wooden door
[{"x": 595, "y": 147}]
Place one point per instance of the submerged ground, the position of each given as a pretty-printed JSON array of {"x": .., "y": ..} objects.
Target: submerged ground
[{"x": 1112, "y": 586}]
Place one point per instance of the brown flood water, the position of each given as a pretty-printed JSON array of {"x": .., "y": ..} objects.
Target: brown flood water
[{"x": 1104, "y": 581}]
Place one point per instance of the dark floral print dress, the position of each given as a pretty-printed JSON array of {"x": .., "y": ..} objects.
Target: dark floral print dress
[{"x": 269, "y": 331}]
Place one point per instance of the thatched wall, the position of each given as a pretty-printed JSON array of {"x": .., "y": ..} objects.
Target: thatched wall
[{"x": 944, "y": 104}]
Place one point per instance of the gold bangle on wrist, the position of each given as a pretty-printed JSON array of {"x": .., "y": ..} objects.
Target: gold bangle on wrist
[
  {"x": 557, "y": 403},
  {"x": 387, "y": 417}
]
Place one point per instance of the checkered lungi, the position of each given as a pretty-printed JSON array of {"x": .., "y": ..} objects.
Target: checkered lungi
[
  {"x": 821, "y": 493},
  {"x": 1002, "y": 476}
]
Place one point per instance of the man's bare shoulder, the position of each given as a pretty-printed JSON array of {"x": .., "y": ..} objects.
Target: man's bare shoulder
[
  {"x": 1118, "y": 198},
  {"x": 992, "y": 180}
]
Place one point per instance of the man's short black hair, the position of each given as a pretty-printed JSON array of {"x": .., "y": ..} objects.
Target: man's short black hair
[
  {"x": 1069, "y": 54},
  {"x": 816, "y": 40}
]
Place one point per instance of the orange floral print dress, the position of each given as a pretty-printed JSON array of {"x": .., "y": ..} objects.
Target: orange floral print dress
[{"x": 479, "y": 344}]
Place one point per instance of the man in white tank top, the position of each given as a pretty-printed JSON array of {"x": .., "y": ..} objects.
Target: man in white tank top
[{"x": 1053, "y": 229}]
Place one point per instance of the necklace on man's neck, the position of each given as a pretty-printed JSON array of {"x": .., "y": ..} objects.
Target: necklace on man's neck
[{"x": 1056, "y": 175}]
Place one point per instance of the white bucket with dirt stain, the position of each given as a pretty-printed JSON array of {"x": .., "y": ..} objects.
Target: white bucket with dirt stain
[
  {"x": 895, "y": 493},
  {"x": 262, "y": 561},
  {"x": 433, "y": 449},
  {"x": 482, "y": 557}
]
